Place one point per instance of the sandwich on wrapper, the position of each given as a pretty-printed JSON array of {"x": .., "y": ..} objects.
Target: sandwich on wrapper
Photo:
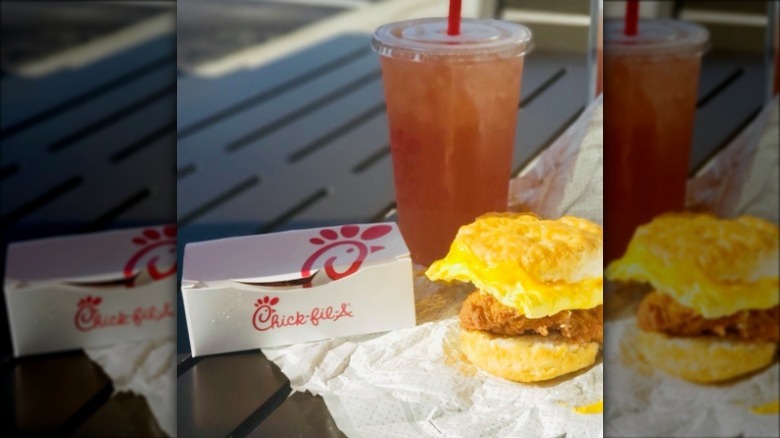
[{"x": 537, "y": 311}]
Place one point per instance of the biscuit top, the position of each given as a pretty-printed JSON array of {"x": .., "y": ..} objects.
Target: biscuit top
[
  {"x": 716, "y": 266},
  {"x": 539, "y": 267}
]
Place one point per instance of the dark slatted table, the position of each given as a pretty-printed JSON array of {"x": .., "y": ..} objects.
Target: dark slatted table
[
  {"x": 303, "y": 142},
  {"x": 732, "y": 90},
  {"x": 83, "y": 150}
]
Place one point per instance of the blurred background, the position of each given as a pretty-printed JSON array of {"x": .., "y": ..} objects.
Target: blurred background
[
  {"x": 87, "y": 143},
  {"x": 215, "y": 36},
  {"x": 733, "y": 25},
  {"x": 218, "y": 35}
]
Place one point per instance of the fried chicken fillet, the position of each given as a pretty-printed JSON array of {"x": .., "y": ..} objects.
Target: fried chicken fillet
[
  {"x": 661, "y": 313},
  {"x": 482, "y": 311}
]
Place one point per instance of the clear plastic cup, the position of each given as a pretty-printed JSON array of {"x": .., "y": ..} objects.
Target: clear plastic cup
[
  {"x": 452, "y": 106},
  {"x": 650, "y": 83}
]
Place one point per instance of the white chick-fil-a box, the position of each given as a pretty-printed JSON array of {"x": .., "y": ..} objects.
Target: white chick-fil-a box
[
  {"x": 90, "y": 290},
  {"x": 277, "y": 289}
]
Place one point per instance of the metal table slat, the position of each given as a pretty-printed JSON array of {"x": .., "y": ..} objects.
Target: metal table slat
[
  {"x": 551, "y": 111},
  {"x": 157, "y": 161},
  {"x": 729, "y": 105},
  {"x": 303, "y": 411},
  {"x": 182, "y": 357},
  {"x": 273, "y": 112},
  {"x": 126, "y": 415},
  {"x": 32, "y": 97},
  {"x": 94, "y": 197},
  {"x": 224, "y": 94},
  {"x": 225, "y": 393},
  {"x": 334, "y": 192},
  {"x": 538, "y": 71},
  {"x": 713, "y": 74},
  {"x": 38, "y": 381},
  {"x": 301, "y": 180},
  {"x": 62, "y": 131},
  {"x": 270, "y": 152},
  {"x": 142, "y": 129},
  {"x": 255, "y": 157}
]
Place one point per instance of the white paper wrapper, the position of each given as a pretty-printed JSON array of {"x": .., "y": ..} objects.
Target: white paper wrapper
[
  {"x": 146, "y": 368},
  {"x": 642, "y": 401},
  {"x": 645, "y": 402},
  {"x": 415, "y": 382}
]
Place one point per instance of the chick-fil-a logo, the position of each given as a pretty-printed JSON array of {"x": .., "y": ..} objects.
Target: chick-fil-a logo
[
  {"x": 88, "y": 316},
  {"x": 155, "y": 245},
  {"x": 266, "y": 316},
  {"x": 344, "y": 247}
]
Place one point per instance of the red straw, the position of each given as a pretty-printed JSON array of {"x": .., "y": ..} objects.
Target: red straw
[
  {"x": 632, "y": 17},
  {"x": 453, "y": 21}
]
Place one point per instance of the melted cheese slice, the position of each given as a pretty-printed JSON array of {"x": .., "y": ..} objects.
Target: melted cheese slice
[
  {"x": 716, "y": 266},
  {"x": 539, "y": 267}
]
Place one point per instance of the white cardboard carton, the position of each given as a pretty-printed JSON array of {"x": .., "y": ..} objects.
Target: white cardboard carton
[
  {"x": 277, "y": 289},
  {"x": 91, "y": 289}
]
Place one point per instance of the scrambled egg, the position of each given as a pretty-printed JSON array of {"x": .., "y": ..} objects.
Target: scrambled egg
[
  {"x": 716, "y": 266},
  {"x": 540, "y": 267}
]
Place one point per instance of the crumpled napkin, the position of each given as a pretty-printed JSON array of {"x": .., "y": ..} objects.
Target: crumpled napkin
[
  {"x": 415, "y": 382},
  {"x": 147, "y": 368}
]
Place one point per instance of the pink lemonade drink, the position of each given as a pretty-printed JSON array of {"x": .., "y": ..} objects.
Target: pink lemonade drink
[
  {"x": 452, "y": 105},
  {"x": 651, "y": 81}
]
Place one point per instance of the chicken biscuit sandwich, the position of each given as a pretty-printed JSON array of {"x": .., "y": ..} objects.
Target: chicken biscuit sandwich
[
  {"x": 713, "y": 313},
  {"x": 537, "y": 310}
]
